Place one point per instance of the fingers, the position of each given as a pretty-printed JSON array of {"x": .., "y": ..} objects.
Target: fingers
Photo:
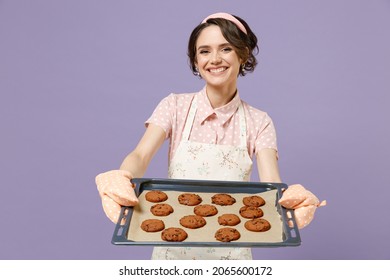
[{"x": 289, "y": 216}]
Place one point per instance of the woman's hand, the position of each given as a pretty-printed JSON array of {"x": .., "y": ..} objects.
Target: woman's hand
[
  {"x": 115, "y": 190},
  {"x": 303, "y": 202}
]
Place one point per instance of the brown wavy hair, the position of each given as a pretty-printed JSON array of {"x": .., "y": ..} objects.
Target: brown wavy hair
[{"x": 245, "y": 45}]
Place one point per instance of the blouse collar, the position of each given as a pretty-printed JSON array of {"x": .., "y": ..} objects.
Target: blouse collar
[{"x": 223, "y": 113}]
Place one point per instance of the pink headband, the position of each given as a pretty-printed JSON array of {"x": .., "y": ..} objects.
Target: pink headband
[{"x": 228, "y": 17}]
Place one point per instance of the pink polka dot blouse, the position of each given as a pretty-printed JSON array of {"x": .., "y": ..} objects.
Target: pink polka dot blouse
[{"x": 213, "y": 125}]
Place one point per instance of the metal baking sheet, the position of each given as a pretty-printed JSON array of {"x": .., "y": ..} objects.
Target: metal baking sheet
[{"x": 128, "y": 232}]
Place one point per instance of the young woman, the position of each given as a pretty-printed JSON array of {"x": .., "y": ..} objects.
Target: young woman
[{"x": 214, "y": 128}]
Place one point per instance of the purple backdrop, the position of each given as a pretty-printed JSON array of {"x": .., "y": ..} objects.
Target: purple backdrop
[{"x": 79, "y": 78}]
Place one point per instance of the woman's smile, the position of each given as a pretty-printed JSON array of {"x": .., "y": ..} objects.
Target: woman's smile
[{"x": 217, "y": 70}]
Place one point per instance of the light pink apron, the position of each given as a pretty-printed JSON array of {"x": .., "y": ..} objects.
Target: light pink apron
[{"x": 200, "y": 161}]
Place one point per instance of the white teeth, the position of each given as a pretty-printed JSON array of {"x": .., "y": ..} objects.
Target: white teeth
[{"x": 218, "y": 70}]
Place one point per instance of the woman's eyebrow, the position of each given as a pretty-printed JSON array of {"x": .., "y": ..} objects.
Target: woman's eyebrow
[{"x": 220, "y": 46}]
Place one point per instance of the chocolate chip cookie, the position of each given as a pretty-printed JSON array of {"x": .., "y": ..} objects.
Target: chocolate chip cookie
[
  {"x": 192, "y": 221},
  {"x": 190, "y": 199},
  {"x": 254, "y": 200},
  {"x": 228, "y": 220},
  {"x": 205, "y": 210},
  {"x": 223, "y": 199},
  {"x": 161, "y": 209},
  {"x": 258, "y": 225},
  {"x": 152, "y": 225},
  {"x": 174, "y": 234},
  {"x": 227, "y": 234},
  {"x": 251, "y": 212},
  {"x": 156, "y": 196}
]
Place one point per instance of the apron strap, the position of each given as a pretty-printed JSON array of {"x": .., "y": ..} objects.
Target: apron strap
[
  {"x": 190, "y": 120},
  {"x": 242, "y": 119}
]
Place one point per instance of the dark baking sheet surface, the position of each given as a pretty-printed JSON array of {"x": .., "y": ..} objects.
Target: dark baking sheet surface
[{"x": 290, "y": 236}]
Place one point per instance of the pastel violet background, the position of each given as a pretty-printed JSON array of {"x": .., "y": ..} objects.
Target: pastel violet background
[{"x": 79, "y": 78}]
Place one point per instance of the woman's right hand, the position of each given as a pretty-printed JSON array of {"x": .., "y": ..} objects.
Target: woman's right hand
[{"x": 115, "y": 190}]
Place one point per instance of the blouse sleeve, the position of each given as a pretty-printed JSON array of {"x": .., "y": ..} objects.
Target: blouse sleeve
[
  {"x": 163, "y": 115},
  {"x": 266, "y": 136}
]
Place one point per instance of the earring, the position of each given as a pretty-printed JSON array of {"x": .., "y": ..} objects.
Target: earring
[
  {"x": 197, "y": 71},
  {"x": 242, "y": 70}
]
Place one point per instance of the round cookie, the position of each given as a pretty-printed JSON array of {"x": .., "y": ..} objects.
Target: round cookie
[
  {"x": 223, "y": 199},
  {"x": 192, "y": 221},
  {"x": 189, "y": 199},
  {"x": 251, "y": 212},
  {"x": 227, "y": 234},
  {"x": 156, "y": 196},
  {"x": 161, "y": 209},
  {"x": 205, "y": 210},
  {"x": 228, "y": 220},
  {"x": 152, "y": 225},
  {"x": 254, "y": 200},
  {"x": 174, "y": 234},
  {"x": 258, "y": 225}
]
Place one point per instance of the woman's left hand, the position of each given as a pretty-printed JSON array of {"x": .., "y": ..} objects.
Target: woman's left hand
[{"x": 303, "y": 202}]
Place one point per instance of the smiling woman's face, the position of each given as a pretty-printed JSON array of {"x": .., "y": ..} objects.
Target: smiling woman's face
[{"x": 216, "y": 59}]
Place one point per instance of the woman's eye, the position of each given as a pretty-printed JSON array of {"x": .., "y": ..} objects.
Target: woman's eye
[
  {"x": 227, "y": 49},
  {"x": 203, "y": 51}
]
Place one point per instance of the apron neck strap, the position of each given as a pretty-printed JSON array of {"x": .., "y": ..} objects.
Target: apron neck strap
[
  {"x": 190, "y": 119},
  {"x": 241, "y": 115}
]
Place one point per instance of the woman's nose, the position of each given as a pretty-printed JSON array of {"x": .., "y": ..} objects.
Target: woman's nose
[{"x": 216, "y": 58}]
